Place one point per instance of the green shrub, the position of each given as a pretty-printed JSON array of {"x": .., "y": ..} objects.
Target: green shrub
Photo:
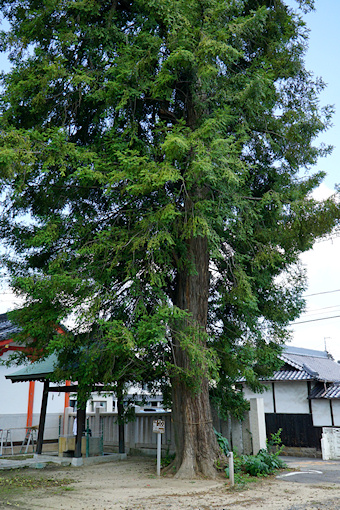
[
  {"x": 222, "y": 442},
  {"x": 167, "y": 458},
  {"x": 267, "y": 460},
  {"x": 264, "y": 463},
  {"x": 274, "y": 445}
]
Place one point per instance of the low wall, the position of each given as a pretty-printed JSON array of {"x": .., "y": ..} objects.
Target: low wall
[
  {"x": 139, "y": 437},
  {"x": 244, "y": 435},
  {"x": 330, "y": 443},
  {"x": 17, "y": 424}
]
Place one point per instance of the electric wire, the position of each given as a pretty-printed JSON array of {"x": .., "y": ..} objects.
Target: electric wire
[
  {"x": 324, "y": 292},
  {"x": 315, "y": 320}
]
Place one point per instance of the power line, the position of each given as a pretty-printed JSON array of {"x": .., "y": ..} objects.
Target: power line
[
  {"x": 317, "y": 310},
  {"x": 325, "y": 292},
  {"x": 321, "y": 311},
  {"x": 314, "y": 320}
]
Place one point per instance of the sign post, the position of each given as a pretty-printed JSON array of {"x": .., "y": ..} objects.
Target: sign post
[{"x": 158, "y": 426}]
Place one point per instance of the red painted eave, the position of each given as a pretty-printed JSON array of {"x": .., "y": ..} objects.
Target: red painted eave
[{"x": 4, "y": 343}]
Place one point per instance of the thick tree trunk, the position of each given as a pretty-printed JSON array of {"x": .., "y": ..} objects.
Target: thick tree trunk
[{"x": 197, "y": 451}]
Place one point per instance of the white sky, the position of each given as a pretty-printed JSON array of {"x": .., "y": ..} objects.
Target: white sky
[{"x": 322, "y": 263}]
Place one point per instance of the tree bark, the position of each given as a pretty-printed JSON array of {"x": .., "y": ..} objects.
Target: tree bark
[{"x": 197, "y": 451}]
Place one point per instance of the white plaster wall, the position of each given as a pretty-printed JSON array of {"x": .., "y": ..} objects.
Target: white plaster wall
[
  {"x": 100, "y": 397},
  {"x": 336, "y": 412},
  {"x": 55, "y": 402},
  {"x": 291, "y": 397},
  {"x": 321, "y": 413},
  {"x": 51, "y": 425},
  {"x": 267, "y": 396},
  {"x": 13, "y": 396},
  {"x": 14, "y": 401},
  {"x": 17, "y": 424}
]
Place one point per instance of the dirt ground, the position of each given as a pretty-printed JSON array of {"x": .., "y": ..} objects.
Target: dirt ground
[{"x": 133, "y": 485}]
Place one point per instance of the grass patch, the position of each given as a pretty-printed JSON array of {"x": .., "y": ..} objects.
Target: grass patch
[
  {"x": 16, "y": 489},
  {"x": 26, "y": 482},
  {"x": 248, "y": 468},
  {"x": 12, "y": 484},
  {"x": 16, "y": 457}
]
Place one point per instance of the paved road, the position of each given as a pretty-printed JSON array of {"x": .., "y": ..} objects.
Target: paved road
[{"x": 303, "y": 470}]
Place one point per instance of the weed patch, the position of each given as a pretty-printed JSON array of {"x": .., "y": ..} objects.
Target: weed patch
[
  {"x": 248, "y": 467},
  {"x": 25, "y": 482}
]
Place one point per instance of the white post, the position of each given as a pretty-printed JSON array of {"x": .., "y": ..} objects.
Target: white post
[
  {"x": 97, "y": 431},
  {"x": 257, "y": 424},
  {"x": 158, "y": 426},
  {"x": 68, "y": 410},
  {"x": 231, "y": 468},
  {"x": 159, "y": 442}
]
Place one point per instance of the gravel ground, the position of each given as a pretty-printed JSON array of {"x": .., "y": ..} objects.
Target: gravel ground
[{"x": 133, "y": 485}]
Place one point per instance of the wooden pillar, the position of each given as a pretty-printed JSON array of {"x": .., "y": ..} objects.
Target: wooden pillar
[
  {"x": 331, "y": 409},
  {"x": 67, "y": 396},
  {"x": 42, "y": 418},
  {"x": 29, "y": 419},
  {"x": 96, "y": 423},
  {"x": 274, "y": 397},
  {"x": 120, "y": 418},
  {"x": 66, "y": 407},
  {"x": 81, "y": 415},
  {"x": 309, "y": 388},
  {"x": 121, "y": 434}
]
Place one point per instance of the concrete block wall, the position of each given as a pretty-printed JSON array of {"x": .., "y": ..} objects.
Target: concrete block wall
[{"x": 139, "y": 438}]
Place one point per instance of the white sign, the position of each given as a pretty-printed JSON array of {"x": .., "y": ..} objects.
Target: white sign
[{"x": 158, "y": 426}]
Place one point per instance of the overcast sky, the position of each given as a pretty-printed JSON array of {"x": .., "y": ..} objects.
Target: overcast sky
[{"x": 321, "y": 323}]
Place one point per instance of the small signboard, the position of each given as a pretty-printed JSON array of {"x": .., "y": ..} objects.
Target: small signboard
[{"x": 158, "y": 426}]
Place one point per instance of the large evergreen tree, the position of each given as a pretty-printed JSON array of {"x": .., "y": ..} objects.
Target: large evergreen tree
[{"x": 152, "y": 157}]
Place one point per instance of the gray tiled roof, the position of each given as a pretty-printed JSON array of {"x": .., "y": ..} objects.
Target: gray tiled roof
[
  {"x": 306, "y": 365},
  {"x": 290, "y": 375},
  {"x": 301, "y": 351},
  {"x": 7, "y": 328},
  {"x": 316, "y": 363},
  {"x": 285, "y": 375},
  {"x": 319, "y": 391}
]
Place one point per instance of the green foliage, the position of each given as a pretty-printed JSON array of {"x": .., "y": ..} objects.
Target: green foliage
[
  {"x": 167, "y": 458},
  {"x": 151, "y": 156},
  {"x": 20, "y": 482},
  {"x": 222, "y": 442},
  {"x": 266, "y": 461},
  {"x": 274, "y": 445}
]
